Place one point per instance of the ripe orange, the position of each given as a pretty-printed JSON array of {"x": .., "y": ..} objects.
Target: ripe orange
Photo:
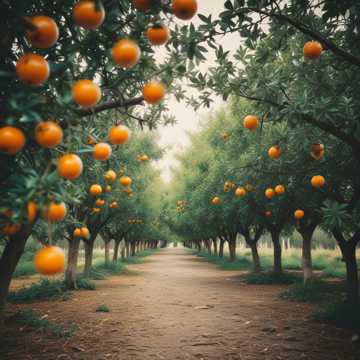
[
  {"x": 102, "y": 151},
  {"x": 85, "y": 233},
  {"x": 32, "y": 210},
  {"x": 69, "y": 166},
  {"x": 86, "y": 94},
  {"x": 55, "y": 212},
  {"x": 126, "y": 53},
  {"x": 216, "y": 200},
  {"x": 50, "y": 260},
  {"x": 280, "y": 189},
  {"x": 158, "y": 34},
  {"x": 108, "y": 188},
  {"x": 240, "y": 192},
  {"x": 77, "y": 232},
  {"x": 318, "y": 181},
  {"x": 317, "y": 151},
  {"x": 119, "y": 135},
  {"x": 269, "y": 193},
  {"x": 110, "y": 175},
  {"x": 275, "y": 152},
  {"x": 42, "y": 31},
  {"x": 87, "y": 15},
  {"x": 100, "y": 202},
  {"x": 95, "y": 190},
  {"x": 184, "y": 9},
  {"x": 10, "y": 229},
  {"x": 125, "y": 181},
  {"x": 142, "y": 5},
  {"x": 312, "y": 50},
  {"x": 113, "y": 205},
  {"x": 96, "y": 210},
  {"x": 12, "y": 140},
  {"x": 154, "y": 92},
  {"x": 48, "y": 134},
  {"x": 251, "y": 122},
  {"x": 32, "y": 69},
  {"x": 143, "y": 157},
  {"x": 299, "y": 214}
]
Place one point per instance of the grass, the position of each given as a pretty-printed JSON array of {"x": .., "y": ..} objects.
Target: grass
[
  {"x": 102, "y": 308},
  {"x": 340, "y": 314},
  {"x": 43, "y": 290},
  {"x": 24, "y": 268},
  {"x": 101, "y": 270},
  {"x": 84, "y": 283},
  {"x": 139, "y": 258},
  {"x": 29, "y": 318},
  {"x": 241, "y": 262},
  {"x": 269, "y": 278}
]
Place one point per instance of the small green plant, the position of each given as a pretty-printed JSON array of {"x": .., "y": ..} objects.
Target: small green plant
[
  {"x": 24, "y": 268},
  {"x": 341, "y": 314},
  {"x": 29, "y": 318},
  {"x": 102, "y": 308},
  {"x": 43, "y": 290},
  {"x": 240, "y": 263},
  {"x": 139, "y": 258},
  {"x": 84, "y": 283},
  {"x": 269, "y": 278}
]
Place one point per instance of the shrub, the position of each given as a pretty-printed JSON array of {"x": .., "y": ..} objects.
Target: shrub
[
  {"x": 102, "y": 308},
  {"x": 84, "y": 283},
  {"x": 269, "y": 277},
  {"x": 30, "y": 318},
  {"x": 24, "y": 268},
  {"x": 43, "y": 290}
]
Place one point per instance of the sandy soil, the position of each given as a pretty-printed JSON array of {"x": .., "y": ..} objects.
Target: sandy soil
[{"x": 174, "y": 306}]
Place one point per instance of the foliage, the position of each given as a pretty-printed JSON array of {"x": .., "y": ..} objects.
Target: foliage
[
  {"x": 269, "y": 278},
  {"x": 102, "y": 308}
]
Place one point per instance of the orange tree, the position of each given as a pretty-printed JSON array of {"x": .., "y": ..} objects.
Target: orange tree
[{"x": 70, "y": 63}]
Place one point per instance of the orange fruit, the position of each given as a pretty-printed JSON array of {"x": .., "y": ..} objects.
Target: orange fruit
[
  {"x": 100, "y": 202},
  {"x": 312, "y": 50},
  {"x": 158, "y": 34},
  {"x": 95, "y": 190},
  {"x": 110, "y": 175},
  {"x": 85, "y": 233},
  {"x": 269, "y": 193},
  {"x": 317, "y": 151},
  {"x": 69, "y": 166},
  {"x": 240, "y": 192},
  {"x": 125, "y": 181},
  {"x": 12, "y": 140},
  {"x": 32, "y": 210},
  {"x": 86, "y": 94},
  {"x": 32, "y": 69},
  {"x": 126, "y": 53},
  {"x": 87, "y": 15},
  {"x": 50, "y": 260},
  {"x": 55, "y": 212},
  {"x": 77, "y": 232},
  {"x": 299, "y": 214},
  {"x": 48, "y": 134},
  {"x": 216, "y": 200},
  {"x": 96, "y": 210},
  {"x": 108, "y": 188},
  {"x": 251, "y": 122},
  {"x": 42, "y": 31},
  {"x": 142, "y": 5},
  {"x": 275, "y": 152},
  {"x": 184, "y": 9},
  {"x": 318, "y": 181},
  {"x": 10, "y": 229},
  {"x": 113, "y": 205},
  {"x": 119, "y": 135},
  {"x": 280, "y": 189},
  {"x": 144, "y": 158},
  {"x": 154, "y": 92},
  {"x": 102, "y": 151}
]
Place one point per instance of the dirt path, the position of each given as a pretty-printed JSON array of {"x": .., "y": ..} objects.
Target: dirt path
[{"x": 175, "y": 306}]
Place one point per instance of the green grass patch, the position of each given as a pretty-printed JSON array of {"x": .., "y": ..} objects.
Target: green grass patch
[
  {"x": 292, "y": 262},
  {"x": 102, "y": 308},
  {"x": 269, "y": 278},
  {"x": 43, "y": 290},
  {"x": 340, "y": 314},
  {"x": 335, "y": 271},
  {"x": 139, "y": 258},
  {"x": 24, "y": 268},
  {"x": 101, "y": 270},
  {"x": 84, "y": 283},
  {"x": 240, "y": 263},
  {"x": 30, "y": 318}
]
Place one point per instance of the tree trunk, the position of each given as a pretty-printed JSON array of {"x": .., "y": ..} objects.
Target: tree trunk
[
  {"x": 107, "y": 252},
  {"x": 89, "y": 248},
  {"x": 122, "y": 252},
  {"x": 132, "y": 248},
  {"x": 9, "y": 260},
  {"x": 73, "y": 254},
  {"x": 214, "y": 240},
  {"x": 198, "y": 244},
  {"x": 208, "y": 245},
  {"x": 255, "y": 257},
  {"x": 127, "y": 248},
  {"x": 116, "y": 250},
  {"x": 232, "y": 249},
  {"x": 221, "y": 248},
  {"x": 352, "y": 281},
  {"x": 306, "y": 257},
  {"x": 275, "y": 237}
]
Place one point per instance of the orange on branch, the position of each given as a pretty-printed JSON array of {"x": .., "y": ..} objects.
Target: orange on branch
[
  {"x": 142, "y": 5},
  {"x": 184, "y": 9},
  {"x": 48, "y": 134},
  {"x": 42, "y": 31},
  {"x": 12, "y": 140},
  {"x": 216, "y": 200},
  {"x": 50, "y": 260},
  {"x": 280, "y": 189},
  {"x": 119, "y": 135},
  {"x": 158, "y": 34},
  {"x": 70, "y": 166},
  {"x": 31, "y": 210},
  {"x": 275, "y": 152},
  {"x": 95, "y": 190},
  {"x": 126, "y": 53},
  {"x": 318, "y": 181},
  {"x": 125, "y": 180},
  {"x": 312, "y": 50},
  {"x": 251, "y": 122},
  {"x": 32, "y": 69},
  {"x": 102, "y": 151},
  {"x": 86, "y": 93},
  {"x": 154, "y": 92},
  {"x": 55, "y": 212},
  {"x": 77, "y": 232},
  {"x": 269, "y": 193},
  {"x": 86, "y": 14},
  {"x": 299, "y": 214},
  {"x": 110, "y": 175},
  {"x": 85, "y": 233},
  {"x": 240, "y": 192}
]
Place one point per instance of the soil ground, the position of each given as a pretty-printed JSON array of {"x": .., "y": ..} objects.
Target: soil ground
[{"x": 175, "y": 306}]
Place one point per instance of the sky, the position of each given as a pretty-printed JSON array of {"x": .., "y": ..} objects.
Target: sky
[{"x": 175, "y": 138}]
